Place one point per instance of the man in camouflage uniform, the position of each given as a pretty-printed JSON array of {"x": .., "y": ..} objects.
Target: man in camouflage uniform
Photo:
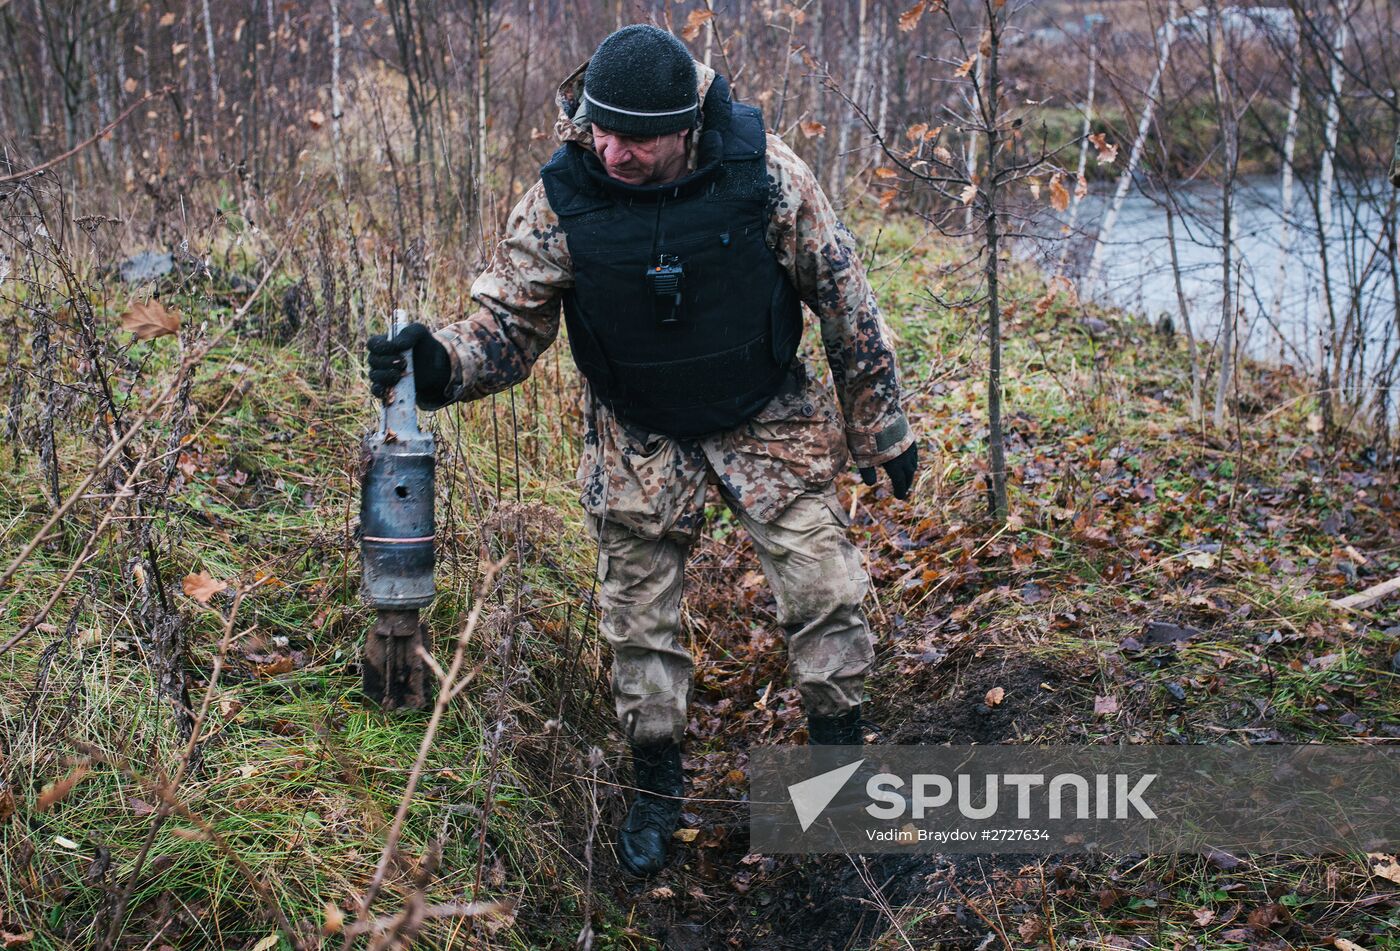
[{"x": 655, "y": 151}]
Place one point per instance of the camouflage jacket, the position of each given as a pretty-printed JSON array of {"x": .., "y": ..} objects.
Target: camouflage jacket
[{"x": 800, "y": 441}]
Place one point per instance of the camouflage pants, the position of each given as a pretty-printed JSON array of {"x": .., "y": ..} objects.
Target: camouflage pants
[{"x": 818, "y": 581}]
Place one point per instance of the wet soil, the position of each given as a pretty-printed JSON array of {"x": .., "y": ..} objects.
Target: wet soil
[{"x": 715, "y": 895}]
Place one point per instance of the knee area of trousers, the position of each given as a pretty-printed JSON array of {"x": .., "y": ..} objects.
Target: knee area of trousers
[{"x": 822, "y": 589}]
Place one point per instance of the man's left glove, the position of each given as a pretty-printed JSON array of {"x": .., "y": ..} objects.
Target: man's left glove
[
  {"x": 432, "y": 368},
  {"x": 900, "y": 469}
]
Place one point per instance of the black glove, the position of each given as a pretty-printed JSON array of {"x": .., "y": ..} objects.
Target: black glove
[
  {"x": 900, "y": 469},
  {"x": 432, "y": 369}
]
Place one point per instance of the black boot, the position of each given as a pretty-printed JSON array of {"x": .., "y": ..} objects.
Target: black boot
[
  {"x": 646, "y": 832},
  {"x": 838, "y": 729}
]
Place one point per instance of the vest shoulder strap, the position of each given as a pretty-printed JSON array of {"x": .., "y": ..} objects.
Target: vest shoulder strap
[
  {"x": 745, "y": 138},
  {"x": 566, "y": 185}
]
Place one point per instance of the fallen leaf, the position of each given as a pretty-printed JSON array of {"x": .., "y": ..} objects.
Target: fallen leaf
[
  {"x": 1203, "y": 916},
  {"x": 279, "y": 666},
  {"x": 150, "y": 319},
  {"x": 1031, "y": 928},
  {"x": 332, "y": 919},
  {"x": 1386, "y": 867},
  {"x": 266, "y": 944},
  {"x": 1200, "y": 559},
  {"x": 695, "y": 22},
  {"x": 1324, "y": 662},
  {"x": 686, "y": 835},
  {"x": 201, "y": 587},
  {"x": 11, "y": 940},
  {"x": 1264, "y": 918},
  {"x": 1059, "y": 195},
  {"x": 994, "y": 697},
  {"x": 661, "y": 891},
  {"x": 811, "y": 128},
  {"x": 910, "y": 18},
  {"x": 1103, "y": 706},
  {"x": 1314, "y": 423},
  {"x": 1222, "y": 860},
  {"x": 58, "y": 790},
  {"x": 1107, "y": 153},
  {"x": 1164, "y": 632},
  {"x": 1342, "y": 944}
]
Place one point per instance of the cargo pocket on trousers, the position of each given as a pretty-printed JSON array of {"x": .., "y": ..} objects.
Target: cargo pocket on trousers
[
  {"x": 833, "y": 502},
  {"x": 855, "y": 574}
]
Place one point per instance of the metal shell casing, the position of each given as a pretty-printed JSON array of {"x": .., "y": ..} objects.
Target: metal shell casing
[{"x": 397, "y": 503}]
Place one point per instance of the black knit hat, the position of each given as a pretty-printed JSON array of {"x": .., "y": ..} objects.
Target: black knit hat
[{"x": 641, "y": 82}]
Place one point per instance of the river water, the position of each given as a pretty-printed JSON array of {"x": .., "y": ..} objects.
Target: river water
[{"x": 1137, "y": 272}]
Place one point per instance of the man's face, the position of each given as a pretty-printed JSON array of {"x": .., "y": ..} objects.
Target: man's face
[{"x": 647, "y": 161}]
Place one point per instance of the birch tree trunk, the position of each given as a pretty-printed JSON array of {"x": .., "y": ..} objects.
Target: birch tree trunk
[
  {"x": 43, "y": 70},
  {"x": 1290, "y": 143},
  {"x": 1083, "y": 143},
  {"x": 1193, "y": 355},
  {"x": 1328, "y": 175},
  {"x": 119, "y": 50},
  {"x": 1166, "y": 36},
  {"x": 882, "y": 44},
  {"x": 213, "y": 68},
  {"x": 836, "y": 187},
  {"x": 1326, "y": 182},
  {"x": 709, "y": 34},
  {"x": 970, "y": 152},
  {"x": 336, "y": 102},
  {"x": 1229, "y": 137},
  {"x": 483, "y": 81}
]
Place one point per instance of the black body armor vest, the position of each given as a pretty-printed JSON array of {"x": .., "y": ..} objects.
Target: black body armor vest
[{"x": 680, "y": 316}]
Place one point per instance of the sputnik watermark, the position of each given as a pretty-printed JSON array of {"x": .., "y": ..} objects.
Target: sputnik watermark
[
  {"x": 1036, "y": 799},
  {"x": 1119, "y": 796},
  {"x": 1125, "y": 802}
]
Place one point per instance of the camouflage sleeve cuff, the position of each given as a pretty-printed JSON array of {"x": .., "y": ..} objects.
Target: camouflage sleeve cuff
[
  {"x": 874, "y": 448},
  {"x": 456, "y": 388}
]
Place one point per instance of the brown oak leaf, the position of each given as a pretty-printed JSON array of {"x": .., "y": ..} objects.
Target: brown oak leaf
[
  {"x": 695, "y": 22},
  {"x": 201, "y": 587},
  {"x": 150, "y": 319}
]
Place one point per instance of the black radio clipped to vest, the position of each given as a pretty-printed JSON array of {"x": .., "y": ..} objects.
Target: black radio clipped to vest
[{"x": 664, "y": 278}]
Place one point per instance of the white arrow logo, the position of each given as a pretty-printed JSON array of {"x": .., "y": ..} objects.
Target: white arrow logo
[{"x": 811, "y": 796}]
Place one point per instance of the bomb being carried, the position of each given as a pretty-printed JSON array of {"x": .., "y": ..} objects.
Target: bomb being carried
[{"x": 396, "y": 547}]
